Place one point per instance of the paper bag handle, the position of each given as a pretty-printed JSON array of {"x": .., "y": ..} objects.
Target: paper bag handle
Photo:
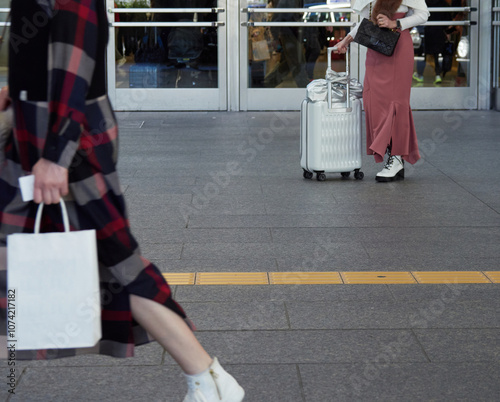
[{"x": 64, "y": 216}]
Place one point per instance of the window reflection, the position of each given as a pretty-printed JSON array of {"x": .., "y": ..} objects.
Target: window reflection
[
  {"x": 291, "y": 57},
  {"x": 166, "y": 57},
  {"x": 442, "y": 53},
  {"x": 4, "y": 50}
]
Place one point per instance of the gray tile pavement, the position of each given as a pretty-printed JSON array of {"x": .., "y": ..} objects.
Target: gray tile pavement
[
  {"x": 218, "y": 192},
  {"x": 383, "y": 381}
]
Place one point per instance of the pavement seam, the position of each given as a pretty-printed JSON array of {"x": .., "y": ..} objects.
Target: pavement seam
[
  {"x": 393, "y": 295},
  {"x": 416, "y": 280},
  {"x": 415, "y": 336},
  {"x": 464, "y": 188},
  {"x": 287, "y": 316},
  {"x": 18, "y": 382},
  {"x": 301, "y": 383}
]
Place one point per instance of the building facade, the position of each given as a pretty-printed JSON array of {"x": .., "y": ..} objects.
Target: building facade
[{"x": 261, "y": 54}]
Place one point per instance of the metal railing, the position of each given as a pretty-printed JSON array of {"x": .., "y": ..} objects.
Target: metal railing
[
  {"x": 195, "y": 11},
  {"x": 296, "y": 10},
  {"x": 4, "y": 11},
  {"x": 297, "y": 24},
  {"x": 166, "y": 10},
  {"x": 167, "y": 24},
  {"x": 342, "y": 10},
  {"x": 496, "y": 23}
]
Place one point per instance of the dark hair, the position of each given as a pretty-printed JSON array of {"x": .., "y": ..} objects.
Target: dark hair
[{"x": 386, "y": 7}]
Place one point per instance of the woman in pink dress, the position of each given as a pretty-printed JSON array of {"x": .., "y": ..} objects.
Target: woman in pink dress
[{"x": 387, "y": 85}]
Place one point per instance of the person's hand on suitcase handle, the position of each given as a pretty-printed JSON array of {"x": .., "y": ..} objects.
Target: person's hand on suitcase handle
[{"x": 343, "y": 44}]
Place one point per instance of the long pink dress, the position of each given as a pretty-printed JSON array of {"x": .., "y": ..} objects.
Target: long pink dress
[{"x": 386, "y": 97}]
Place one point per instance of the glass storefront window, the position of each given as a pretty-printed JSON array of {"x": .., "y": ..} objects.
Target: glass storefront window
[
  {"x": 5, "y": 46},
  {"x": 291, "y": 57},
  {"x": 166, "y": 57},
  {"x": 442, "y": 53}
]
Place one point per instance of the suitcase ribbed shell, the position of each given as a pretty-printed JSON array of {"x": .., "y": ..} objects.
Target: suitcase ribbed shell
[{"x": 330, "y": 138}]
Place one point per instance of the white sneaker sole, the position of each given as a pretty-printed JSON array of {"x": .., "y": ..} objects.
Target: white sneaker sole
[{"x": 398, "y": 176}]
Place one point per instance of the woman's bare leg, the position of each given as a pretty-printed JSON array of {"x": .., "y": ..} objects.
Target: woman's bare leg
[{"x": 171, "y": 332}]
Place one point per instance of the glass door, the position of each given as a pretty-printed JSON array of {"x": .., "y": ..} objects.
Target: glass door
[
  {"x": 4, "y": 27},
  {"x": 496, "y": 54},
  {"x": 167, "y": 54},
  {"x": 282, "y": 49},
  {"x": 446, "y": 57}
]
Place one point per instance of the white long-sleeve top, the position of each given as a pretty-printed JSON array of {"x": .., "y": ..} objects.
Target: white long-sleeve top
[{"x": 412, "y": 19}]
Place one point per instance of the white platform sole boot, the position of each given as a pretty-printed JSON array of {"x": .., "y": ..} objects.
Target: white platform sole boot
[
  {"x": 214, "y": 384},
  {"x": 393, "y": 170}
]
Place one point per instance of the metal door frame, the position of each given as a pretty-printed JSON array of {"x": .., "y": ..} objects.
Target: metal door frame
[
  {"x": 495, "y": 24},
  {"x": 175, "y": 99}
]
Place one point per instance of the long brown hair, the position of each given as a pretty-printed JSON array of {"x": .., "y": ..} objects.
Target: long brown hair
[{"x": 386, "y": 7}]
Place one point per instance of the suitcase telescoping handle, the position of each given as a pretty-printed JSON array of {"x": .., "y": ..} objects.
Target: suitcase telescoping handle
[{"x": 348, "y": 77}]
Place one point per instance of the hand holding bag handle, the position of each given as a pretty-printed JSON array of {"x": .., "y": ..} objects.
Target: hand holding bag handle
[{"x": 64, "y": 213}]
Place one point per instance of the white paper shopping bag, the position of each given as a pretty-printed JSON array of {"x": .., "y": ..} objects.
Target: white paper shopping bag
[{"x": 55, "y": 282}]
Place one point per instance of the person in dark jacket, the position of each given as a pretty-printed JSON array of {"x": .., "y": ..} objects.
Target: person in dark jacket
[
  {"x": 292, "y": 58},
  {"x": 435, "y": 38}
]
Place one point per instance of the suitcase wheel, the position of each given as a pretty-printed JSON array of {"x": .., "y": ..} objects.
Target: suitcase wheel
[
  {"x": 321, "y": 177},
  {"x": 308, "y": 175},
  {"x": 358, "y": 175},
  {"x": 345, "y": 175}
]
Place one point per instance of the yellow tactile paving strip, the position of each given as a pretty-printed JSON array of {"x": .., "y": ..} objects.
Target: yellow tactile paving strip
[
  {"x": 493, "y": 276},
  {"x": 232, "y": 278},
  {"x": 451, "y": 277},
  {"x": 327, "y": 278},
  {"x": 377, "y": 277},
  {"x": 304, "y": 278},
  {"x": 180, "y": 279}
]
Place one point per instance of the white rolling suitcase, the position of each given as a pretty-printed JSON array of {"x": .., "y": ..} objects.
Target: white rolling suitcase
[{"x": 331, "y": 134}]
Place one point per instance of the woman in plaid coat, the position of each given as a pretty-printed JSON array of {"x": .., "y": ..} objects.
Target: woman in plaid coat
[{"x": 65, "y": 134}]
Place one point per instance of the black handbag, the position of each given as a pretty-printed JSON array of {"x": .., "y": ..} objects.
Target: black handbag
[{"x": 382, "y": 40}]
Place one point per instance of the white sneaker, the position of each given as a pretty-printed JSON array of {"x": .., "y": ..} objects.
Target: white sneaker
[
  {"x": 393, "y": 170},
  {"x": 214, "y": 384},
  {"x": 438, "y": 79}
]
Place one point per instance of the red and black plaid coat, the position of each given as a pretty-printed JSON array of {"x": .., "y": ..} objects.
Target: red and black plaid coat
[{"x": 62, "y": 114}]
